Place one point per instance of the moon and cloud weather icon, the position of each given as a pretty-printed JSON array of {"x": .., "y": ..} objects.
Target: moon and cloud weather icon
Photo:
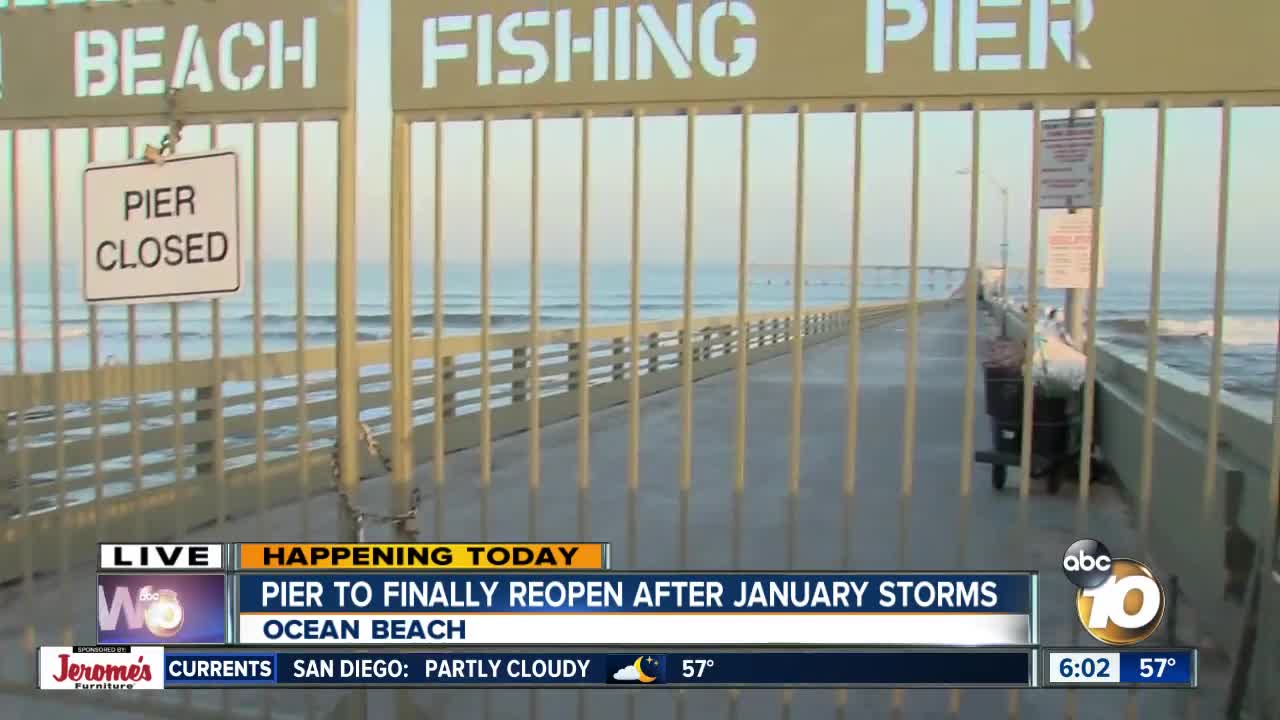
[{"x": 644, "y": 669}]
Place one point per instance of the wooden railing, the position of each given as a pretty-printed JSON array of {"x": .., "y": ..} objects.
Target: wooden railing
[{"x": 100, "y": 491}]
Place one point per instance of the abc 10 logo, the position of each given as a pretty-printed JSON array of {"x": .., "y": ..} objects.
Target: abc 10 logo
[{"x": 1119, "y": 600}]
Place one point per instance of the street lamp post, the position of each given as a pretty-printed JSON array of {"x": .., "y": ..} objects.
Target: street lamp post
[{"x": 1004, "y": 245}]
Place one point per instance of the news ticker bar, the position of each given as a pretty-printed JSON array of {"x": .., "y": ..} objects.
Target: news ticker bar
[
  {"x": 235, "y": 557},
  {"x": 154, "y": 667},
  {"x": 636, "y": 667}
]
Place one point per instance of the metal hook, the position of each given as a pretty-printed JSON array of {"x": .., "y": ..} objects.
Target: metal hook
[{"x": 169, "y": 143}]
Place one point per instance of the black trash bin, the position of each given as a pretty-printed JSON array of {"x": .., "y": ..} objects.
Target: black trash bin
[{"x": 1054, "y": 420}]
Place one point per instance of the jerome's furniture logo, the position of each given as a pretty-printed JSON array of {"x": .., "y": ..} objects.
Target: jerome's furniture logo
[{"x": 111, "y": 667}]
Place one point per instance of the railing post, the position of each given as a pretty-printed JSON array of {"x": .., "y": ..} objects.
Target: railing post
[
  {"x": 619, "y": 365},
  {"x": 574, "y": 349},
  {"x": 518, "y": 362},
  {"x": 653, "y": 350},
  {"x": 205, "y": 415},
  {"x": 446, "y": 375}
]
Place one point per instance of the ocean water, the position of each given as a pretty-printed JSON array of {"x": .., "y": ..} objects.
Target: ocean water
[
  {"x": 1250, "y": 336},
  {"x": 1251, "y": 327},
  {"x": 661, "y": 296}
]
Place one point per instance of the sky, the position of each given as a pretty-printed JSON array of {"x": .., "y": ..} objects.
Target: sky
[{"x": 1191, "y": 199}]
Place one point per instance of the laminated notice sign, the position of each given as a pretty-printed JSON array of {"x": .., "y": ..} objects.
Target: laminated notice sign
[
  {"x": 1066, "y": 163},
  {"x": 1070, "y": 251}
]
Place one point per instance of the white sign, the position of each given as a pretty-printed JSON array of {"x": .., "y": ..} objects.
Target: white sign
[
  {"x": 162, "y": 232},
  {"x": 1066, "y": 163},
  {"x": 1070, "y": 250}
]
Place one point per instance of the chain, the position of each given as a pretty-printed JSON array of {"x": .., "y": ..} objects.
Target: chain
[
  {"x": 402, "y": 521},
  {"x": 169, "y": 143}
]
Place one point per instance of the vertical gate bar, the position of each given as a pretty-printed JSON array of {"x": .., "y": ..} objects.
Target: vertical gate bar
[
  {"x": 633, "y": 379},
  {"x": 348, "y": 479},
  {"x": 744, "y": 341},
  {"x": 219, "y": 422},
  {"x": 854, "y": 328},
  {"x": 219, "y": 374},
  {"x": 1219, "y": 299},
  {"x": 633, "y": 402},
  {"x": 135, "y": 414},
  {"x": 913, "y": 346},
  {"x": 402, "y": 481},
  {"x": 347, "y": 352},
  {"x": 913, "y": 340},
  {"x": 798, "y": 325},
  {"x": 486, "y": 248},
  {"x": 1033, "y": 301},
  {"x": 686, "y": 363},
  {"x": 584, "y": 354},
  {"x": 740, "y": 474},
  {"x": 437, "y": 330},
  {"x": 179, "y": 446},
  {"x": 59, "y": 404},
  {"x": 855, "y": 343},
  {"x": 95, "y": 380},
  {"x": 1271, "y": 534},
  {"x": 1091, "y": 337},
  {"x": 24, "y": 474},
  {"x": 259, "y": 369},
  {"x": 535, "y": 328},
  {"x": 970, "y": 358},
  {"x": 1033, "y": 294},
  {"x": 686, "y": 355},
  {"x": 971, "y": 346},
  {"x": 1153, "y": 337},
  {"x": 584, "y": 344},
  {"x": 401, "y": 328},
  {"x": 300, "y": 328},
  {"x": 797, "y": 337}
]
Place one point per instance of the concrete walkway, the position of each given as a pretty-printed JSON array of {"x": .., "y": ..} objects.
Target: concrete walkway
[{"x": 935, "y": 516}]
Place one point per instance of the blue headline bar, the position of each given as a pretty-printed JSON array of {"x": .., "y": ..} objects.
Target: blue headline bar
[{"x": 636, "y": 593}]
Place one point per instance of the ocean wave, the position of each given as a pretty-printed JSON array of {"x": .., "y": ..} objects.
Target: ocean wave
[
  {"x": 39, "y": 334},
  {"x": 1237, "y": 331}
]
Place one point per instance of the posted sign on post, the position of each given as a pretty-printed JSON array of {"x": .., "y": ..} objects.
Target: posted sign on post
[
  {"x": 1066, "y": 163},
  {"x": 162, "y": 232},
  {"x": 1071, "y": 251}
]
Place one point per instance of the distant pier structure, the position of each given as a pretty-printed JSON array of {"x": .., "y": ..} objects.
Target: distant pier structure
[{"x": 931, "y": 277}]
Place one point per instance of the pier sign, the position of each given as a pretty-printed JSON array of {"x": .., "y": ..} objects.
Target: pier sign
[
  {"x": 120, "y": 59},
  {"x": 1067, "y": 155},
  {"x": 503, "y": 57},
  {"x": 162, "y": 232}
]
